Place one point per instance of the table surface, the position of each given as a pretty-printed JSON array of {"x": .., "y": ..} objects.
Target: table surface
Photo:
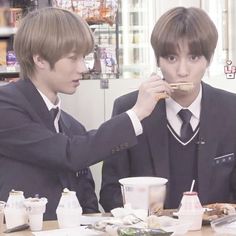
[{"x": 47, "y": 225}]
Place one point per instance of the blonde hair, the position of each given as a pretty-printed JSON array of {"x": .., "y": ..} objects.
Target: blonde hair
[
  {"x": 178, "y": 23},
  {"x": 51, "y": 33}
]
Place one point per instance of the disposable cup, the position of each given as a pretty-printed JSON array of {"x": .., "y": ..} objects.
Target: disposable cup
[
  {"x": 2, "y": 205},
  {"x": 146, "y": 193},
  {"x": 36, "y": 222},
  {"x": 35, "y": 208}
]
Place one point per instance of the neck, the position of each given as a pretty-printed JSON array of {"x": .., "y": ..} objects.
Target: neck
[{"x": 51, "y": 95}]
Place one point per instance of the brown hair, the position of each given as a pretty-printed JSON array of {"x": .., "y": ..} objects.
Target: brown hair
[
  {"x": 178, "y": 23},
  {"x": 51, "y": 33}
]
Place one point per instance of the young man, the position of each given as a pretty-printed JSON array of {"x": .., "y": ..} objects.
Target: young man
[
  {"x": 42, "y": 154},
  {"x": 191, "y": 134}
]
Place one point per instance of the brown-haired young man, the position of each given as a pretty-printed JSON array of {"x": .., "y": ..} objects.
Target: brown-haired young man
[
  {"x": 42, "y": 154},
  {"x": 191, "y": 134}
]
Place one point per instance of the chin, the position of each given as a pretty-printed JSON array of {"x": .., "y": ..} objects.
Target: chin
[{"x": 69, "y": 91}]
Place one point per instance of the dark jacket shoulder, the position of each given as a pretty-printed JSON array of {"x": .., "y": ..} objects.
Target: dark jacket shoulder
[{"x": 125, "y": 102}]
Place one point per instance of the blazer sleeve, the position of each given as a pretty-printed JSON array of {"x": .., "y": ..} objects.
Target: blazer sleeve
[{"x": 26, "y": 140}]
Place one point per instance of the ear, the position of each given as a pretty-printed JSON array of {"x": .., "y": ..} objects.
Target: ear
[{"x": 40, "y": 62}]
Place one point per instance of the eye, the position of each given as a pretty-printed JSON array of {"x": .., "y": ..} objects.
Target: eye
[
  {"x": 171, "y": 58},
  {"x": 194, "y": 58}
]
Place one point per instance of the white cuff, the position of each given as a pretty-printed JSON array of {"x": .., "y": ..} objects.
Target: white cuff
[{"x": 138, "y": 128}]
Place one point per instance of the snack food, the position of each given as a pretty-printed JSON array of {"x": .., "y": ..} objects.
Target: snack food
[
  {"x": 183, "y": 86},
  {"x": 217, "y": 210},
  {"x": 161, "y": 96}
]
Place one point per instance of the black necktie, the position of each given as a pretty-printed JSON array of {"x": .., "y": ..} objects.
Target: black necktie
[
  {"x": 53, "y": 113},
  {"x": 186, "y": 131}
]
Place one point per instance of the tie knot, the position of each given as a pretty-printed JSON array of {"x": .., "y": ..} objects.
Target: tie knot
[
  {"x": 185, "y": 115},
  {"x": 53, "y": 113}
]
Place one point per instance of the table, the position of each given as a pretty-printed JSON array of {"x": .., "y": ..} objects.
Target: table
[{"x": 47, "y": 225}]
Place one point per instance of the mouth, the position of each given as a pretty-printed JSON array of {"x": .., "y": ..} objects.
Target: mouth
[
  {"x": 182, "y": 86},
  {"x": 76, "y": 82}
]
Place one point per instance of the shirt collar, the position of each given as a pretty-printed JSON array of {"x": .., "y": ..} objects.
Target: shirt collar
[
  {"x": 48, "y": 103},
  {"x": 173, "y": 107}
]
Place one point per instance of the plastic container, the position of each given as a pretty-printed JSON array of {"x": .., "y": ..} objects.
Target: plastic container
[
  {"x": 68, "y": 210},
  {"x": 191, "y": 211},
  {"x": 15, "y": 213},
  {"x": 225, "y": 225},
  {"x": 146, "y": 193}
]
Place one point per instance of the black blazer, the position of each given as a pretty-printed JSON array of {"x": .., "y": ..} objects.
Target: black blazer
[
  {"x": 216, "y": 150},
  {"x": 37, "y": 160}
]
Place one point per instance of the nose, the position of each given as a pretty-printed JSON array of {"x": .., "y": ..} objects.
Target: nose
[
  {"x": 81, "y": 66},
  {"x": 183, "y": 69}
]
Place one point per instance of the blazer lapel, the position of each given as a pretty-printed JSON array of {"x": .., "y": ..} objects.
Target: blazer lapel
[
  {"x": 208, "y": 136},
  {"x": 36, "y": 102},
  {"x": 156, "y": 126},
  {"x": 63, "y": 125}
]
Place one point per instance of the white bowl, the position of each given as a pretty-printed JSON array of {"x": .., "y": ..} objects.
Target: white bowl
[{"x": 146, "y": 193}]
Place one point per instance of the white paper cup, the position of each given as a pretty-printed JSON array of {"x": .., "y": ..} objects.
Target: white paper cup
[
  {"x": 35, "y": 208},
  {"x": 2, "y": 205},
  {"x": 146, "y": 193},
  {"x": 36, "y": 222}
]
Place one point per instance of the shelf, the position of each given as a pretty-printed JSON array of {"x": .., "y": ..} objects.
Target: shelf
[
  {"x": 138, "y": 10},
  {"x": 135, "y": 45},
  {"x": 7, "y": 31},
  {"x": 134, "y": 67},
  {"x": 9, "y": 71},
  {"x": 133, "y": 28}
]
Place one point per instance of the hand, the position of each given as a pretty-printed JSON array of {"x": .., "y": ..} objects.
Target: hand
[{"x": 150, "y": 92}]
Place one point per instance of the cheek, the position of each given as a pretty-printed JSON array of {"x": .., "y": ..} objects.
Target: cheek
[
  {"x": 167, "y": 72},
  {"x": 201, "y": 71}
]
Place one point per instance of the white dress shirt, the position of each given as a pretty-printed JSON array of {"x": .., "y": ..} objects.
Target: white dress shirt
[
  {"x": 50, "y": 106},
  {"x": 172, "y": 109}
]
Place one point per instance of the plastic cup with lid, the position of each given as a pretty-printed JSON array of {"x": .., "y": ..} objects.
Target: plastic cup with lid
[{"x": 35, "y": 208}]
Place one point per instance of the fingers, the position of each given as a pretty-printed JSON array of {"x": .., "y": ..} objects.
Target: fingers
[{"x": 159, "y": 87}]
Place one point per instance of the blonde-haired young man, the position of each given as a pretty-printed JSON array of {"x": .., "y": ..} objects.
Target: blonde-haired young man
[{"x": 42, "y": 148}]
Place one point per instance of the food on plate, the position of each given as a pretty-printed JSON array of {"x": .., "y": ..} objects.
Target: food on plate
[
  {"x": 131, "y": 231},
  {"x": 217, "y": 210}
]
